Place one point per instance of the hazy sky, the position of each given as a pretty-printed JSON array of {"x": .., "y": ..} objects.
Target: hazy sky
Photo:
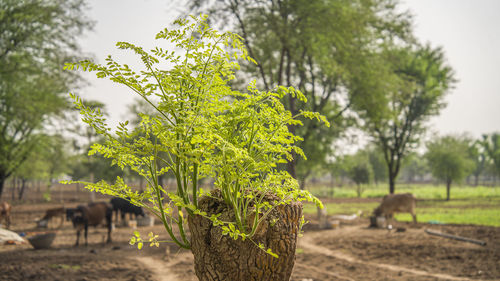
[{"x": 468, "y": 31}]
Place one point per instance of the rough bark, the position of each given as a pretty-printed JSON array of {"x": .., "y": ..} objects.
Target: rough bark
[
  {"x": 2, "y": 182},
  {"x": 219, "y": 257},
  {"x": 21, "y": 191},
  {"x": 392, "y": 184},
  {"x": 448, "y": 186}
]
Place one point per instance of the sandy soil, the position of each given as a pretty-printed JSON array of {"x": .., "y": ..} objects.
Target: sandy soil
[{"x": 351, "y": 252}]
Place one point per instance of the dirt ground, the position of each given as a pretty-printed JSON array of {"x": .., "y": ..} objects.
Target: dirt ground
[{"x": 350, "y": 252}]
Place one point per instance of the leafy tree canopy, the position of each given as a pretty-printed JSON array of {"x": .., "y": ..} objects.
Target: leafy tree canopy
[
  {"x": 37, "y": 37},
  {"x": 315, "y": 45},
  {"x": 491, "y": 144},
  {"x": 414, "y": 165},
  {"x": 397, "y": 90},
  {"x": 449, "y": 159}
]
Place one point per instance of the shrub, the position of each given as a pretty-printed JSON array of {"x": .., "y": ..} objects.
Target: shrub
[{"x": 201, "y": 128}]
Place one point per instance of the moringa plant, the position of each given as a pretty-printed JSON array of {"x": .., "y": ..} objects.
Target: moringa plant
[{"x": 201, "y": 128}]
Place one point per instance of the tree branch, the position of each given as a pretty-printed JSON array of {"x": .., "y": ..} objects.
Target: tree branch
[{"x": 234, "y": 8}]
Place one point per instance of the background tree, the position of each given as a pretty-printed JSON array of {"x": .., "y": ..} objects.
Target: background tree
[
  {"x": 449, "y": 160},
  {"x": 491, "y": 144},
  {"x": 30, "y": 170},
  {"x": 338, "y": 171},
  {"x": 359, "y": 170},
  {"x": 415, "y": 166},
  {"x": 88, "y": 167},
  {"x": 55, "y": 156},
  {"x": 48, "y": 160},
  {"x": 477, "y": 152},
  {"x": 37, "y": 37},
  {"x": 80, "y": 168},
  {"x": 396, "y": 92},
  {"x": 377, "y": 163},
  {"x": 136, "y": 110},
  {"x": 312, "y": 44}
]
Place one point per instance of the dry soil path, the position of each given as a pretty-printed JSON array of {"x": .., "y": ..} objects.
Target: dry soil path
[
  {"x": 307, "y": 243},
  {"x": 159, "y": 268}
]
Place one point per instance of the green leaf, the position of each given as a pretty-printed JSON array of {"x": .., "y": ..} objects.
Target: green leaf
[{"x": 270, "y": 252}]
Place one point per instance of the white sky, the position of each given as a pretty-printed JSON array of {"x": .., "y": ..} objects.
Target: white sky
[{"x": 468, "y": 31}]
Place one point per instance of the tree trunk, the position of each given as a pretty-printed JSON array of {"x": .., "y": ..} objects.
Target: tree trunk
[
  {"x": 21, "y": 191},
  {"x": 2, "y": 181},
  {"x": 14, "y": 189},
  {"x": 448, "y": 186},
  {"x": 218, "y": 257},
  {"x": 392, "y": 183},
  {"x": 302, "y": 184},
  {"x": 92, "y": 193}
]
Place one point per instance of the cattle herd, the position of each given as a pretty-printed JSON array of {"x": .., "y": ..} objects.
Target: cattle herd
[
  {"x": 83, "y": 216},
  {"x": 94, "y": 214}
]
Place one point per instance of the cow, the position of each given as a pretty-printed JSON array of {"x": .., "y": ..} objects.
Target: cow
[
  {"x": 5, "y": 209},
  {"x": 124, "y": 206},
  {"x": 396, "y": 203},
  {"x": 92, "y": 214},
  {"x": 52, "y": 213}
]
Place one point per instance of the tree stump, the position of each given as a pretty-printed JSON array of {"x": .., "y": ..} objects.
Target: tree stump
[{"x": 218, "y": 257}]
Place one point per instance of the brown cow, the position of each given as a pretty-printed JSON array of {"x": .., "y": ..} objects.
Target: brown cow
[
  {"x": 53, "y": 213},
  {"x": 92, "y": 214},
  {"x": 396, "y": 203},
  {"x": 5, "y": 209}
]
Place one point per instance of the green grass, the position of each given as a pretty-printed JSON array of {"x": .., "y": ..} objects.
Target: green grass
[
  {"x": 420, "y": 191},
  {"x": 468, "y": 205},
  {"x": 480, "y": 216},
  {"x": 343, "y": 208}
]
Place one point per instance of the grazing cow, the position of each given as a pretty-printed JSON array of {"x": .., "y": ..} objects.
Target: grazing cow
[
  {"x": 396, "y": 203},
  {"x": 124, "y": 206},
  {"x": 54, "y": 213},
  {"x": 5, "y": 209},
  {"x": 92, "y": 214}
]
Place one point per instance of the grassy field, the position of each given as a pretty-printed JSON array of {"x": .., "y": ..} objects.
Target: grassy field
[{"x": 468, "y": 205}]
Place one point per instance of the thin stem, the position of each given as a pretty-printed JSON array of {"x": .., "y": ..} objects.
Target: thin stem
[
  {"x": 180, "y": 223},
  {"x": 195, "y": 185},
  {"x": 163, "y": 217}
]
